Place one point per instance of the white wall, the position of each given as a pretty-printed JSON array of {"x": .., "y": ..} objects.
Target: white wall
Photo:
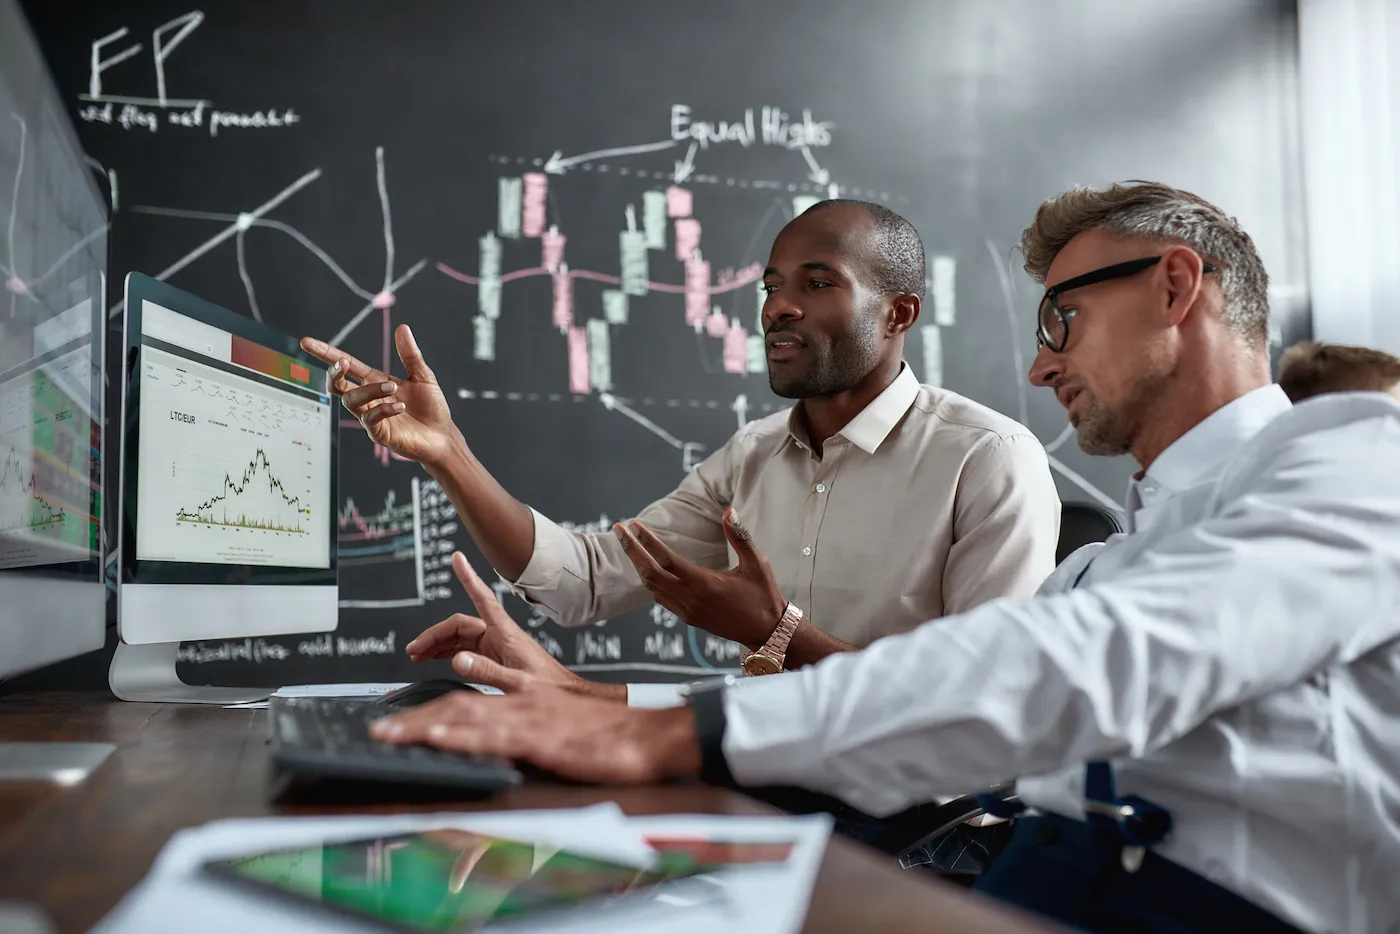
[{"x": 1349, "y": 75}]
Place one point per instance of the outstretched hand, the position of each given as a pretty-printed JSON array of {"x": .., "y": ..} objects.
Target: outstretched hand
[
  {"x": 409, "y": 416},
  {"x": 743, "y": 603},
  {"x": 492, "y": 649}
]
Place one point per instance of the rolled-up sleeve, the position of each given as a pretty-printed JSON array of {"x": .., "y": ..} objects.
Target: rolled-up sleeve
[
  {"x": 580, "y": 578},
  {"x": 1006, "y": 525}
]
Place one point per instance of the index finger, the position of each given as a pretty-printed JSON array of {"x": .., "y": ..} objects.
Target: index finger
[
  {"x": 348, "y": 365},
  {"x": 658, "y": 549},
  {"x": 651, "y": 573},
  {"x": 482, "y": 596}
]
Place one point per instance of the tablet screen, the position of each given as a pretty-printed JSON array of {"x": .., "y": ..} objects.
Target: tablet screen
[{"x": 453, "y": 880}]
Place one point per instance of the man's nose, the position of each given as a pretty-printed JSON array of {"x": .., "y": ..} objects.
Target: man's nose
[
  {"x": 1046, "y": 367},
  {"x": 777, "y": 308}
]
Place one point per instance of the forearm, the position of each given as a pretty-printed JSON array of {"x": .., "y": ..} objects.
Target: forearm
[
  {"x": 810, "y": 645},
  {"x": 502, "y": 526},
  {"x": 585, "y": 688}
]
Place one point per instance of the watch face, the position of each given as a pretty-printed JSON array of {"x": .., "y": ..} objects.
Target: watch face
[{"x": 760, "y": 665}]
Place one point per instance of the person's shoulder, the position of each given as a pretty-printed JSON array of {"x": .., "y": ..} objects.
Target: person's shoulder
[
  {"x": 762, "y": 434},
  {"x": 1342, "y": 433},
  {"x": 956, "y": 416}
]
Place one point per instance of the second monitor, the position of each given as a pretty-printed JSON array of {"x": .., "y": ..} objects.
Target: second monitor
[{"x": 228, "y": 487}]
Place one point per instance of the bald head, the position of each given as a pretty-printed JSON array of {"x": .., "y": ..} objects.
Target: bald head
[{"x": 887, "y": 244}]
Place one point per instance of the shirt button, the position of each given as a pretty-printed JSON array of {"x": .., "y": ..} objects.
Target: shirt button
[
  {"x": 807, "y": 551},
  {"x": 821, "y": 487}
]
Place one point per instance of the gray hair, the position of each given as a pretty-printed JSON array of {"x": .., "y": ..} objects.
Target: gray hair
[{"x": 1154, "y": 211}]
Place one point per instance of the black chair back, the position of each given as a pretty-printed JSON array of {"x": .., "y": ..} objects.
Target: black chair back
[{"x": 1083, "y": 524}]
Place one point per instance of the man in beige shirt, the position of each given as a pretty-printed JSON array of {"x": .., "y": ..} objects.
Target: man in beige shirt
[{"x": 878, "y": 502}]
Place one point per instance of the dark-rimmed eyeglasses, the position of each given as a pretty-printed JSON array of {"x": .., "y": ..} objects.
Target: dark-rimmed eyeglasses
[{"x": 1052, "y": 322}]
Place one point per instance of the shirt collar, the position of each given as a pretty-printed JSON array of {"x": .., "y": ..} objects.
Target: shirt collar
[
  {"x": 1213, "y": 440},
  {"x": 873, "y": 424}
]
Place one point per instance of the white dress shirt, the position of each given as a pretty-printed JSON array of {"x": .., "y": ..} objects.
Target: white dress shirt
[{"x": 1236, "y": 656}]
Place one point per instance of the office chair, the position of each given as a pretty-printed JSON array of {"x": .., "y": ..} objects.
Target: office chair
[
  {"x": 914, "y": 836},
  {"x": 1083, "y": 524}
]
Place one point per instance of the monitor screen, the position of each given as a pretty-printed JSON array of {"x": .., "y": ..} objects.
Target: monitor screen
[
  {"x": 234, "y": 461},
  {"x": 50, "y": 439}
]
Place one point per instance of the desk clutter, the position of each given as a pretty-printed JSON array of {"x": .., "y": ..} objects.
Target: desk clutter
[{"x": 457, "y": 872}]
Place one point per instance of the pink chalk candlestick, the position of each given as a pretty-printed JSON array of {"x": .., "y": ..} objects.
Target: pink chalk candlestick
[
  {"x": 384, "y": 300},
  {"x": 697, "y": 291},
  {"x": 687, "y": 237},
  {"x": 736, "y": 349},
  {"x": 552, "y": 248},
  {"x": 678, "y": 202},
  {"x": 716, "y": 325},
  {"x": 578, "y": 360},
  {"x": 532, "y": 210},
  {"x": 563, "y": 298}
]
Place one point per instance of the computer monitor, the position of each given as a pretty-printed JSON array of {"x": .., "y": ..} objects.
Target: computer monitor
[
  {"x": 53, "y": 260},
  {"x": 53, "y": 257},
  {"x": 228, "y": 489},
  {"x": 52, "y": 598}
]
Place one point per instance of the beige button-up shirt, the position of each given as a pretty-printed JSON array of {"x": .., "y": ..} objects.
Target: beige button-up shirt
[{"x": 925, "y": 504}]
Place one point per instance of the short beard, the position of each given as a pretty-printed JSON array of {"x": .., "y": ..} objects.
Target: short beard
[
  {"x": 839, "y": 368},
  {"x": 1108, "y": 432},
  {"x": 1104, "y": 431}
]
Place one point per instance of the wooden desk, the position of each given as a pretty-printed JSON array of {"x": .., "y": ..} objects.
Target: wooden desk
[{"x": 76, "y": 851}]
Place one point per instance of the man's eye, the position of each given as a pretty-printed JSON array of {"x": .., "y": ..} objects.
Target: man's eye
[
  {"x": 818, "y": 284},
  {"x": 768, "y": 288}
]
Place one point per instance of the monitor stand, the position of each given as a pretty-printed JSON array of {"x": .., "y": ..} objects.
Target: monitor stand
[{"x": 147, "y": 673}]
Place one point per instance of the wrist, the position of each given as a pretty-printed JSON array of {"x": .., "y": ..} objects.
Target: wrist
[
  {"x": 671, "y": 743},
  {"x": 454, "y": 451},
  {"x": 585, "y": 688},
  {"x": 777, "y": 606}
]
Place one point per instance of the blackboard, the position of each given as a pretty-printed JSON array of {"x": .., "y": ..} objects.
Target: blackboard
[{"x": 337, "y": 167}]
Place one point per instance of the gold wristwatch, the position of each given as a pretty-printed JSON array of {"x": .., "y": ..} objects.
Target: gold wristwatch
[{"x": 769, "y": 658}]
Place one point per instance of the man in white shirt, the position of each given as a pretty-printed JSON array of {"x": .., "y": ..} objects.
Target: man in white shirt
[
  {"x": 880, "y": 503},
  {"x": 1201, "y": 712}
]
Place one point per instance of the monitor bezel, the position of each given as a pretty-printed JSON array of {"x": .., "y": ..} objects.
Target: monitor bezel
[{"x": 138, "y": 289}]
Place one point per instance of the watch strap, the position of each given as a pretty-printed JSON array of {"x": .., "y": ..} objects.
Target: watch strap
[
  {"x": 775, "y": 649},
  {"x": 708, "y": 709}
]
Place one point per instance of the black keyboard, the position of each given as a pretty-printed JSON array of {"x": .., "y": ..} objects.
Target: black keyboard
[{"x": 320, "y": 738}]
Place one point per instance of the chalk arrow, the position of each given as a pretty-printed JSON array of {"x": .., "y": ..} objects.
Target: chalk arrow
[
  {"x": 612, "y": 405},
  {"x": 685, "y": 169},
  {"x": 558, "y": 165},
  {"x": 817, "y": 174},
  {"x": 741, "y": 409}
]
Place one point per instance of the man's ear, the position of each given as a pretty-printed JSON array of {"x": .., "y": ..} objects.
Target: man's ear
[
  {"x": 1183, "y": 270},
  {"x": 904, "y": 311}
]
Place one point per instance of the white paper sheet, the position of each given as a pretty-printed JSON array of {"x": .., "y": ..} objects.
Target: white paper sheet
[{"x": 176, "y": 897}]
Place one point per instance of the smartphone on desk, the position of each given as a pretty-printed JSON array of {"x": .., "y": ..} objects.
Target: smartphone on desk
[{"x": 451, "y": 880}]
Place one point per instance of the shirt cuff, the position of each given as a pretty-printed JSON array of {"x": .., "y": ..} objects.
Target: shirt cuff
[
  {"x": 770, "y": 736},
  {"x": 553, "y": 549},
  {"x": 654, "y": 695}
]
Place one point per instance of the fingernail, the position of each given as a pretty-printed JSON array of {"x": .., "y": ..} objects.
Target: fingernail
[
  {"x": 437, "y": 731},
  {"x": 617, "y": 530},
  {"x": 398, "y": 406},
  {"x": 383, "y": 729},
  {"x": 463, "y": 662},
  {"x": 411, "y": 647},
  {"x": 387, "y": 387}
]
